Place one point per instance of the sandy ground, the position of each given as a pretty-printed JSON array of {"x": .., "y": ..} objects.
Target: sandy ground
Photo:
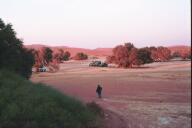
[{"x": 157, "y": 95}]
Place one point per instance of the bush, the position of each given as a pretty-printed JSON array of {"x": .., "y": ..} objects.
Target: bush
[
  {"x": 80, "y": 56},
  {"x": 27, "y": 105}
]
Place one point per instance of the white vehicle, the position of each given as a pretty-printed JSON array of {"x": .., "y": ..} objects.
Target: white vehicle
[{"x": 42, "y": 69}]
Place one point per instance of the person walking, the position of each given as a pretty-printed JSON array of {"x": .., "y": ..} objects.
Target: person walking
[{"x": 99, "y": 90}]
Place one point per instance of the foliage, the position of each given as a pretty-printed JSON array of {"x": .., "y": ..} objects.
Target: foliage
[
  {"x": 144, "y": 55},
  {"x": 127, "y": 55},
  {"x": 27, "y": 105},
  {"x": 183, "y": 55},
  {"x": 13, "y": 55},
  {"x": 80, "y": 56},
  {"x": 66, "y": 56},
  {"x": 47, "y": 55},
  {"x": 60, "y": 55},
  {"x": 160, "y": 54}
]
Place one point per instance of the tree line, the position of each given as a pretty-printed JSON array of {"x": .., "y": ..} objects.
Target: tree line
[
  {"x": 128, "y": 55},
  {"x": 46, "y": 56}
]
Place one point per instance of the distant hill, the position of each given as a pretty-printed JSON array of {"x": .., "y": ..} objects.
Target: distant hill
[
  {"x": 102, "y": 52},
  {"x": 95, "y": 52}
]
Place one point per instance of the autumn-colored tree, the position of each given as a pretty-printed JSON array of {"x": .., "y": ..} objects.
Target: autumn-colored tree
[
  {"x": 110, "y": 59},
  {"x": 160, "y": 53},
  {"x": 128, "y": 56},
  {"x": 124, "y": 56}
]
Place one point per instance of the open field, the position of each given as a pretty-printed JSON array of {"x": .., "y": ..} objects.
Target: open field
[{"x": 156, "y": 95}]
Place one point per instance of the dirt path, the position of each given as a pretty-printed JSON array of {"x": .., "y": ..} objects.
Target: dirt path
[{"x": 113, "y": 120}]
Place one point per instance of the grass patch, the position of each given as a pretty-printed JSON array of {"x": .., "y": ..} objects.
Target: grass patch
[{"x": 24, "y": 104}]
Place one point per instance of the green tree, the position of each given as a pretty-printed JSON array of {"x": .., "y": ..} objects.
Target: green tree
[
  {"x": 144, "y": 55},
  {"x": 66, "y": 56},
  {"x": 47, "y": 55},
  {"x": 13, "y": 56}
]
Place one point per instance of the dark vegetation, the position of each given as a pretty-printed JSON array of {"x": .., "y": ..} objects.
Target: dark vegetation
[
  {"x": 47, "y": 57},
  {"x": 61, "y": 56},
  {"x": 13, "y": 55},
  {"x": 27, "y": 105},
  {"x": 24, "y": 104},
  {"x": 128, "y": 56},
  {"x": 80, "y": 56}
]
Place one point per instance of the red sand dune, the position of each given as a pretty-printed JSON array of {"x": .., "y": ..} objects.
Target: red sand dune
[
  {"x": 73, "y": 51},
  {"x": 102, "y": 51}
]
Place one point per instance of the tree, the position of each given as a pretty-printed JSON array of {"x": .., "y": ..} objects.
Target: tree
[
  {"x": 66, "y": 56},
  {"x": 80, "y": 56},
  {"x": 127, "y": 56},
  {"x": 13, "y": 56},
  {"x": 110, "y": 59},
  {"x": 175, "y": 54},
  {"x": 47, "y": 55},
  {"x": 144, "y": 55},
  {"x": 160, "y": 53},
  {"x": 60, "y": 55},
  {"x": 38, "y": 58},
  {"x": 122, "y": 53}
]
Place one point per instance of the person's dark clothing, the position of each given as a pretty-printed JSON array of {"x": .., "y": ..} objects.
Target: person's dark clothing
[{"x": 99, "y": 90}]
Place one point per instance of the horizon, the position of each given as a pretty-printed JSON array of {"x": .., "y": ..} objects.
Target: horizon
[
  {"x": 36, "y": 44},
  {"x": 100, "y": 24}
]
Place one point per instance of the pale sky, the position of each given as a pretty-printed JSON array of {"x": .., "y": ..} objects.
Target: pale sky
[{"x": 99, "y": 23}]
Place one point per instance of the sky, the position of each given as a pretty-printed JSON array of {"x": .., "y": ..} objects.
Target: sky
[{"x": 99, "y": 23}]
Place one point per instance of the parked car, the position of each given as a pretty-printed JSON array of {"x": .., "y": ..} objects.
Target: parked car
[
  {"x": 98, "y": 64},
  {"x": 42, "y": 69}
]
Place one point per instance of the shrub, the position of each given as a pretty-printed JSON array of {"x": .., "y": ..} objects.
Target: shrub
[{"x": 80, "y": 56}]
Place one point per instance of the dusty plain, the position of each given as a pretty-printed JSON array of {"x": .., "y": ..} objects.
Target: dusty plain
[{"x": 156, "y": 95}]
